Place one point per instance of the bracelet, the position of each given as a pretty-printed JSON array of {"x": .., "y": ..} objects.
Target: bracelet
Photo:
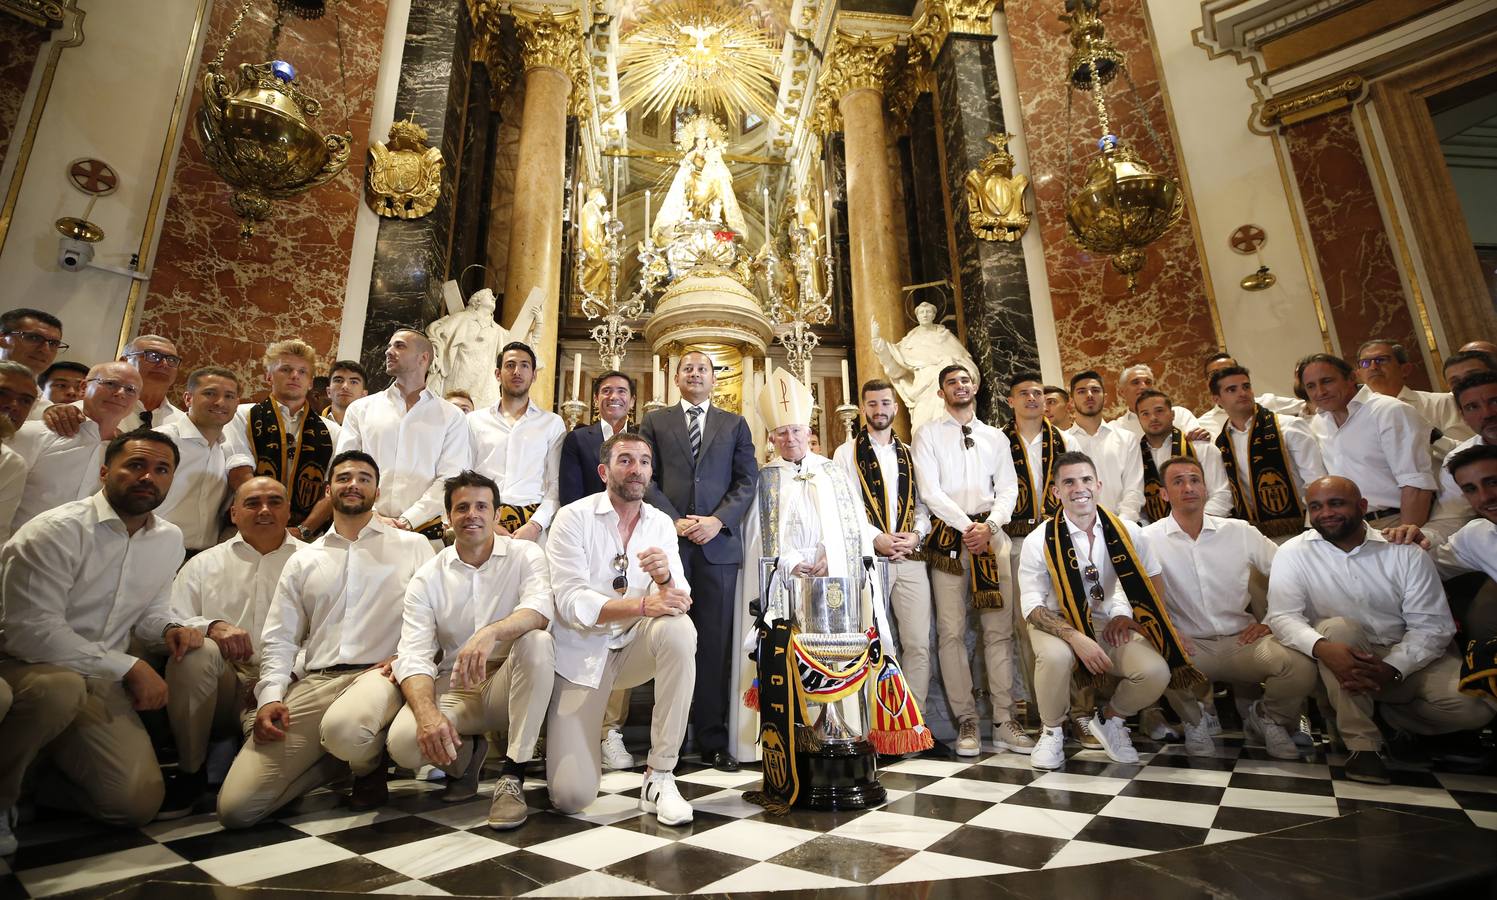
[{"x": 641, "y": 606}]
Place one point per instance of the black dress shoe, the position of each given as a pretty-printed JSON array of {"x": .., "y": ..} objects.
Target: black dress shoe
[
  {"x": 370, "y": 791},
  {"x": 722, "y": 761}
]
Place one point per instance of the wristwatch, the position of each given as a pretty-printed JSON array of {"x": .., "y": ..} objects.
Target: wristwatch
[{"x": 301, "y": 532}]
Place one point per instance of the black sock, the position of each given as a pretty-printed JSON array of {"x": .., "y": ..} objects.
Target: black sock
[{"x": 517, "y": 769}]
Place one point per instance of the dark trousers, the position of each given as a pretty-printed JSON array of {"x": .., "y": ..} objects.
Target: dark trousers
[{"x": 713, "y": 596}]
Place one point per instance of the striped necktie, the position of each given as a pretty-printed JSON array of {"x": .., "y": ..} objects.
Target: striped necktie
[{"x": 694, "y": 429}]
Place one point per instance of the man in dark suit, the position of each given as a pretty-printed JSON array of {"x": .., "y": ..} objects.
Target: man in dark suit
[
  {"x": 613, "y": 397},
  {"x": 704, "y": 479}
]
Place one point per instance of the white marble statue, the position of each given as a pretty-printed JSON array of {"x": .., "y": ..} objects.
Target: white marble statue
[
  {"x": 702, "y": 187},
  {"x": 914, "y": 363},
  {"x": 466, "y": 345}
]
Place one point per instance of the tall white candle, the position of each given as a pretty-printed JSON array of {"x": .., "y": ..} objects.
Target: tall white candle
[
  {"x": 647, "y": 237},
  {"x": 766, "y": 215},
  {"x": 826, "y": 210},
  {"x": 616, "y": 162},
  {"x": 657, "y": 379},
  {"x": 673, "y": 393},
  {"x": 576, "y": 375},
  {"x": 846, "y": 383}
]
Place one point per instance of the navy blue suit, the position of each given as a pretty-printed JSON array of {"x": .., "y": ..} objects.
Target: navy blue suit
[{"x": 580, "y": 455}]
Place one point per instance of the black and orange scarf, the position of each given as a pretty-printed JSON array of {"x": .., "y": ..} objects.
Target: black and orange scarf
[
  {"x": 875, "y": 491},
  {"x": 1155, "y": 506},
  {"x": 299, "y": 462},
  {"x": 1273, "y": 507},
  {"x": 1029, "y": 510}
]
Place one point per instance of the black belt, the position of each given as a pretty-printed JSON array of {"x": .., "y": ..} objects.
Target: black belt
[
  {"x": 1373, "y": 514},
  {"x": 339, "y": 670}
]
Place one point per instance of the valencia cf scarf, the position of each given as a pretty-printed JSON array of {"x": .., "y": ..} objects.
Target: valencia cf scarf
[
  {"x": 944, "y": 550},
  {"x": 1479, "y": 669},
  {"x": 1155, "y": 506},
  {"x": 781, "y": 713},
  {"x": 300, "y": 463},
  {"x": 875, "y": 495},
  {"x": 514, "y": 517},
  {"x": 1273, "y": 508},
  {"x": 1030, "y": 510},
  {"x": 1066, "y": 578}
]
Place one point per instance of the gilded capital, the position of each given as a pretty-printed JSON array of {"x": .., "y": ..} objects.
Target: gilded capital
[
  {"x": 947, "y": 17},
  {"x": 856, "y": 62},
  {"x": 549, "y": 40}
]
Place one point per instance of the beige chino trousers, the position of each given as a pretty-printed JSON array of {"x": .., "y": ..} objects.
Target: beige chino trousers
[{"x": 952, "y": 595}]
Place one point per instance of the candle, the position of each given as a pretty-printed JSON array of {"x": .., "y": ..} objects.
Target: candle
[
  {"x": 576, "y": 375},
  {"x": 846, "y": 383},
  {"x": 826, "y": 209},
  {"x": 647, "y": 240},
  {"x": 675, "y": 393},
  {"x": 659, "y": 370},
  {"x": 766, "y": 215},
  {"x": 616, "y": 184}
]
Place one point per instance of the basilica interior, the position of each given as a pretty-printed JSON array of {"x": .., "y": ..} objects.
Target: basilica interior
[{"x": 844, "y": 188}]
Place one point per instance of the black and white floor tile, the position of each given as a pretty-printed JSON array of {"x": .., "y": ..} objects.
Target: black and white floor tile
[{"x": 946, "y": 818}]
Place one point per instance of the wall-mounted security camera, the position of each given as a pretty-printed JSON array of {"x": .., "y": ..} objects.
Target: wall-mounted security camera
[{"x": 76, "y": 249}]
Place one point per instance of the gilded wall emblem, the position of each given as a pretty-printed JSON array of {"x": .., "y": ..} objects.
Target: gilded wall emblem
[{"x": 405, "y": 176}]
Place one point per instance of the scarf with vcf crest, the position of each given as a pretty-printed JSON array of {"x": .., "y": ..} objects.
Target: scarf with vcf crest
[
  {"x": 1066, "y": 578},
  {"x": 1273, "y": 507},
  {"x": 1155, "y": 506},
  {"x": 298, "y": 461},
  {"x": 1029, "y": 510},
  {"x": 875, "y": 491},
  {"x": 1479, "y": 669}
]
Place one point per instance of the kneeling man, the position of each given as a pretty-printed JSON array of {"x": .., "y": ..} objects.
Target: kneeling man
[
  {"x": 621, "y": 603},
  {"x": 1086, "y": 573},
  {"x": 484, "y": 603}
]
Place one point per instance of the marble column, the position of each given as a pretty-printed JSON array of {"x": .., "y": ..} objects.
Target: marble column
[
  {"x": 549, "y": 45},
  {"x": 994, "y": 283}
]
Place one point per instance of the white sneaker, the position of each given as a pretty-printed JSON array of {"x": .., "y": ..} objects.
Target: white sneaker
[
  {"x": 615, "y": 754},
  {"x": 1210, "y": 719},
  {"x": 1113, "y": 734},
  {"x": 661, "y": 797},
  {"x": 1273, "y": 736},
  {"x": 1050, "y": 750},
  {"x": 1009, "y": 736},
  {"x": 1198, "y": 740},
  {"x": 967, "y": 741},
  {"x": 1152, "y": 722},
  {"x": 8, "y": 831}
]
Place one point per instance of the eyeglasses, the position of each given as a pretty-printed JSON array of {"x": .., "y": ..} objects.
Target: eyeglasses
[
  {"x": 1371, "y": 361},
  {"x": 1093, "y": 582},
  {"x": 967, "y": 441},
  {"x": 35, "y": 339},
  {"x": 620, "y": 564},
  {"x": 156, "y": 357},
  {"x": 116, "y": 387}
]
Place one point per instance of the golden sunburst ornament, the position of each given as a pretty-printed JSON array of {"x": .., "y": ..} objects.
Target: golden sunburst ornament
[{"x": 701, "y": 53}]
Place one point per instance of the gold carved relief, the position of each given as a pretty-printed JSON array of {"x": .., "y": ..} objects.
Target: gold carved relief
[
  {"x": 405, "y": 177},
  {"x": 41, "y": 13},
  {"x": 995, "y": 195},
  {"x": 1317, "y": 101},
  {"x": 857, "y": 62}
]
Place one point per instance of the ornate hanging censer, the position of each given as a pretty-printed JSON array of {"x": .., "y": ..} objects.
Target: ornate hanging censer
[
  {"x": 256, "y": 135},
  {"x": 1121, "y": 205}
]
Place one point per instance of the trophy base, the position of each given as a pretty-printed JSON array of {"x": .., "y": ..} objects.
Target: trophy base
[{"x": 840, "y": 776}]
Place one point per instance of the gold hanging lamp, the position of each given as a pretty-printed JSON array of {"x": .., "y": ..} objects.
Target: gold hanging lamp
[
  {"x": 257, "y": 138},
  {"x": 1121, "y": 204}
]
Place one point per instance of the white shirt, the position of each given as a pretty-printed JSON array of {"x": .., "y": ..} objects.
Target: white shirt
[
  {"x": 584, "y": 542},
  {"x": 60, "y": 469},
  {"x": 1439, "y": 410},
  {"x": 165, "y": 413},
  {"x": 1119, "y": 465},
  {"x": 417, "y": 449},
  {"x": 1391, "y": 590},
  {"x": 955, "y": 480},
  {"x": 1206, "y": 578},
  {"x": 231, "y": 582},
  {"x": 242, "y": 451},
  {"x": 74, "y": 583},
  {"x": 846, "y": 456},
  {"x": 1219, "y": 502},
  {"x": 1214, "y": 418},
  {"x": 1382, "y": 446},
  {"x": 195, "y": 501},
  {"x": 13, "y": 471},
  {"x": 448, "y": 601},
  {"x": 1185, "y": 420},
  {"x": 1450, "y": 492},
  {"x": 1305, "y": 464},
  {"x": 343, "y": 599},
  {"x": 1471, "y": 549},
  {"x": 522, "y": 456},
  {"x": 1035, "y": 589}
]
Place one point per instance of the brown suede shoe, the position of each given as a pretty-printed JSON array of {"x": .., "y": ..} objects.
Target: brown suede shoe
[{"x": 507, "y": 810}]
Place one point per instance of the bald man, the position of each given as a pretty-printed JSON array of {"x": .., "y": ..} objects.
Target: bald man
[{"x": 1374, "y": 617}]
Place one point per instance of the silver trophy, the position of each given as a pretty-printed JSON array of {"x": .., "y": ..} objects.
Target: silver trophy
[{"x": 829, "y": 614}]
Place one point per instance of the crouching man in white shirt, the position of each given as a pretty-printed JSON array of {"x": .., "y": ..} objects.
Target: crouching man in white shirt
[
  {"x": 484, "y": 603},
  {"x": 1374, "y": 616},
  {"x": 621, "y": 603}
]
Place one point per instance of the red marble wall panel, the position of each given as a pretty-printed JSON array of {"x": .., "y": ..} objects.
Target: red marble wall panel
[
  {"x": 20, "y": 44},
  {"x": 221, "y": 297},
  {"x": 1363, "y": 291},
  {"x": 1166, "y": 322}
]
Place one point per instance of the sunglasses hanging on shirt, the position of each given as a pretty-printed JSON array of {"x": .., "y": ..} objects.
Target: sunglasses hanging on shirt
[{"x": 620, "y": 565}]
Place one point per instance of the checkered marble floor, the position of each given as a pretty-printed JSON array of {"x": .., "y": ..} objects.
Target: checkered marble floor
[{"x": 946, "y": 818}]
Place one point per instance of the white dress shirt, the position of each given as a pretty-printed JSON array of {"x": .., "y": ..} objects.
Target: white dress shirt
[
  {"x": 584, "y": 542},
  {"x": 59, "y": 469},
  {"x": 1185, "y": 420},
  {"x": 1219, "y": 501},
  {"x": 1305, "y": 464},
  {"x": 888, "y": 465},
  {"x": 231, "y": 582},
  {"x": 1439, "y": 410},
  {"x": 165, "y": 413},
  {"x": 1119, "y": 465},
  {"x": 343, "y": 599},
  {"x": 1035, "y": 589},
  {"x": 13, "y": 471},
  {"x": 1391, "y": 590},
  {"x": 1383, "y": 446},
  {"x": 522, "y": 456},
  {"x": 242, "y": 451},
  {"x": 74, "y": 583},
  {"x": 1450, "y": 492},
  {"x": 417, "y": 449},
  {"x": 1206, "y": 578},
  {"x": 1471, "y": 549},
  {"x": 448, "y": 601},
  {"x": 955, "y": 480},
  {"x": 195, "y": 502},
  {"x": 1214, "y": 418}
]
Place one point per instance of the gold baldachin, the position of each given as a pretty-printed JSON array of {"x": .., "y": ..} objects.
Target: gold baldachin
[
  {"x": 1318, "y": 101},
  {"x": 856, "y": 62}
]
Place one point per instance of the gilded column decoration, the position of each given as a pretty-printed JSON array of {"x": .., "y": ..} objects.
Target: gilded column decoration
[
  {"x": 41, "y": 13},
  {"x": 855, "y": 63},
  {"x": 490, "y": 50},
  {"x": 995, "y": 195},
  {"x": 549, "y": 40},
  {"x": 1317, "y": 101}
]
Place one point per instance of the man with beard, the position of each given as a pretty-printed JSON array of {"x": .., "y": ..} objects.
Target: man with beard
[
  {"x": 346, "y": 383},
  {"x": 1162, "y": 441},
  {"x": 1136, "y": 379},
  {"x": 1269, "y": 457},
  {"x": 76, "y": 583},
  {"x": 339, "y": 601},
  {"x": 283, "y": 436},
  {"x": 18, "y": 393},
  {"x": 1114, "y": 451},
  {"x": 483, "y": 605},
  {"x": 518, "y": 445},
  {"x": 62, "y": 468},
  {"x": 621, "y": 619},
  {"x": 1372, "y": 614},
  {"x": 882, "y": 467},
  {"x": 704, "y": 476},
  {"x": 418, "y": 438},
  {"x": 196, "y": 501},
  {"x": 225, "y": 593},
  {"x": 1476, "y": 396},
  {"x": 965, "y": 471}
]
